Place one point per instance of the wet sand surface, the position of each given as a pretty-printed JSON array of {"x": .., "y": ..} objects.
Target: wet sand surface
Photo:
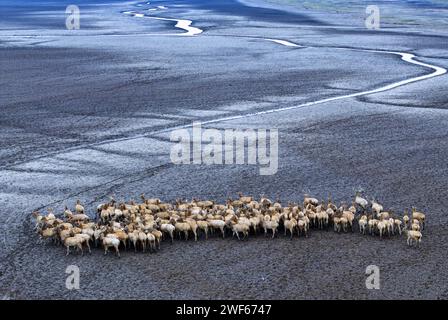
[{"x": 82, "y": 115}]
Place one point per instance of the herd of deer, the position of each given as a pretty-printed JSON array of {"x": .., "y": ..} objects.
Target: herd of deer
[{"x": 145, "y": 224}]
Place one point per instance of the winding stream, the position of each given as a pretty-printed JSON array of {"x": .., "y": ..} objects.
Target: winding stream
[{"x": 405, "y": 56}]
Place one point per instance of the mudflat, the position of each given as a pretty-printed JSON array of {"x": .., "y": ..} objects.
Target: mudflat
[{"x": 88, "y": 113}]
